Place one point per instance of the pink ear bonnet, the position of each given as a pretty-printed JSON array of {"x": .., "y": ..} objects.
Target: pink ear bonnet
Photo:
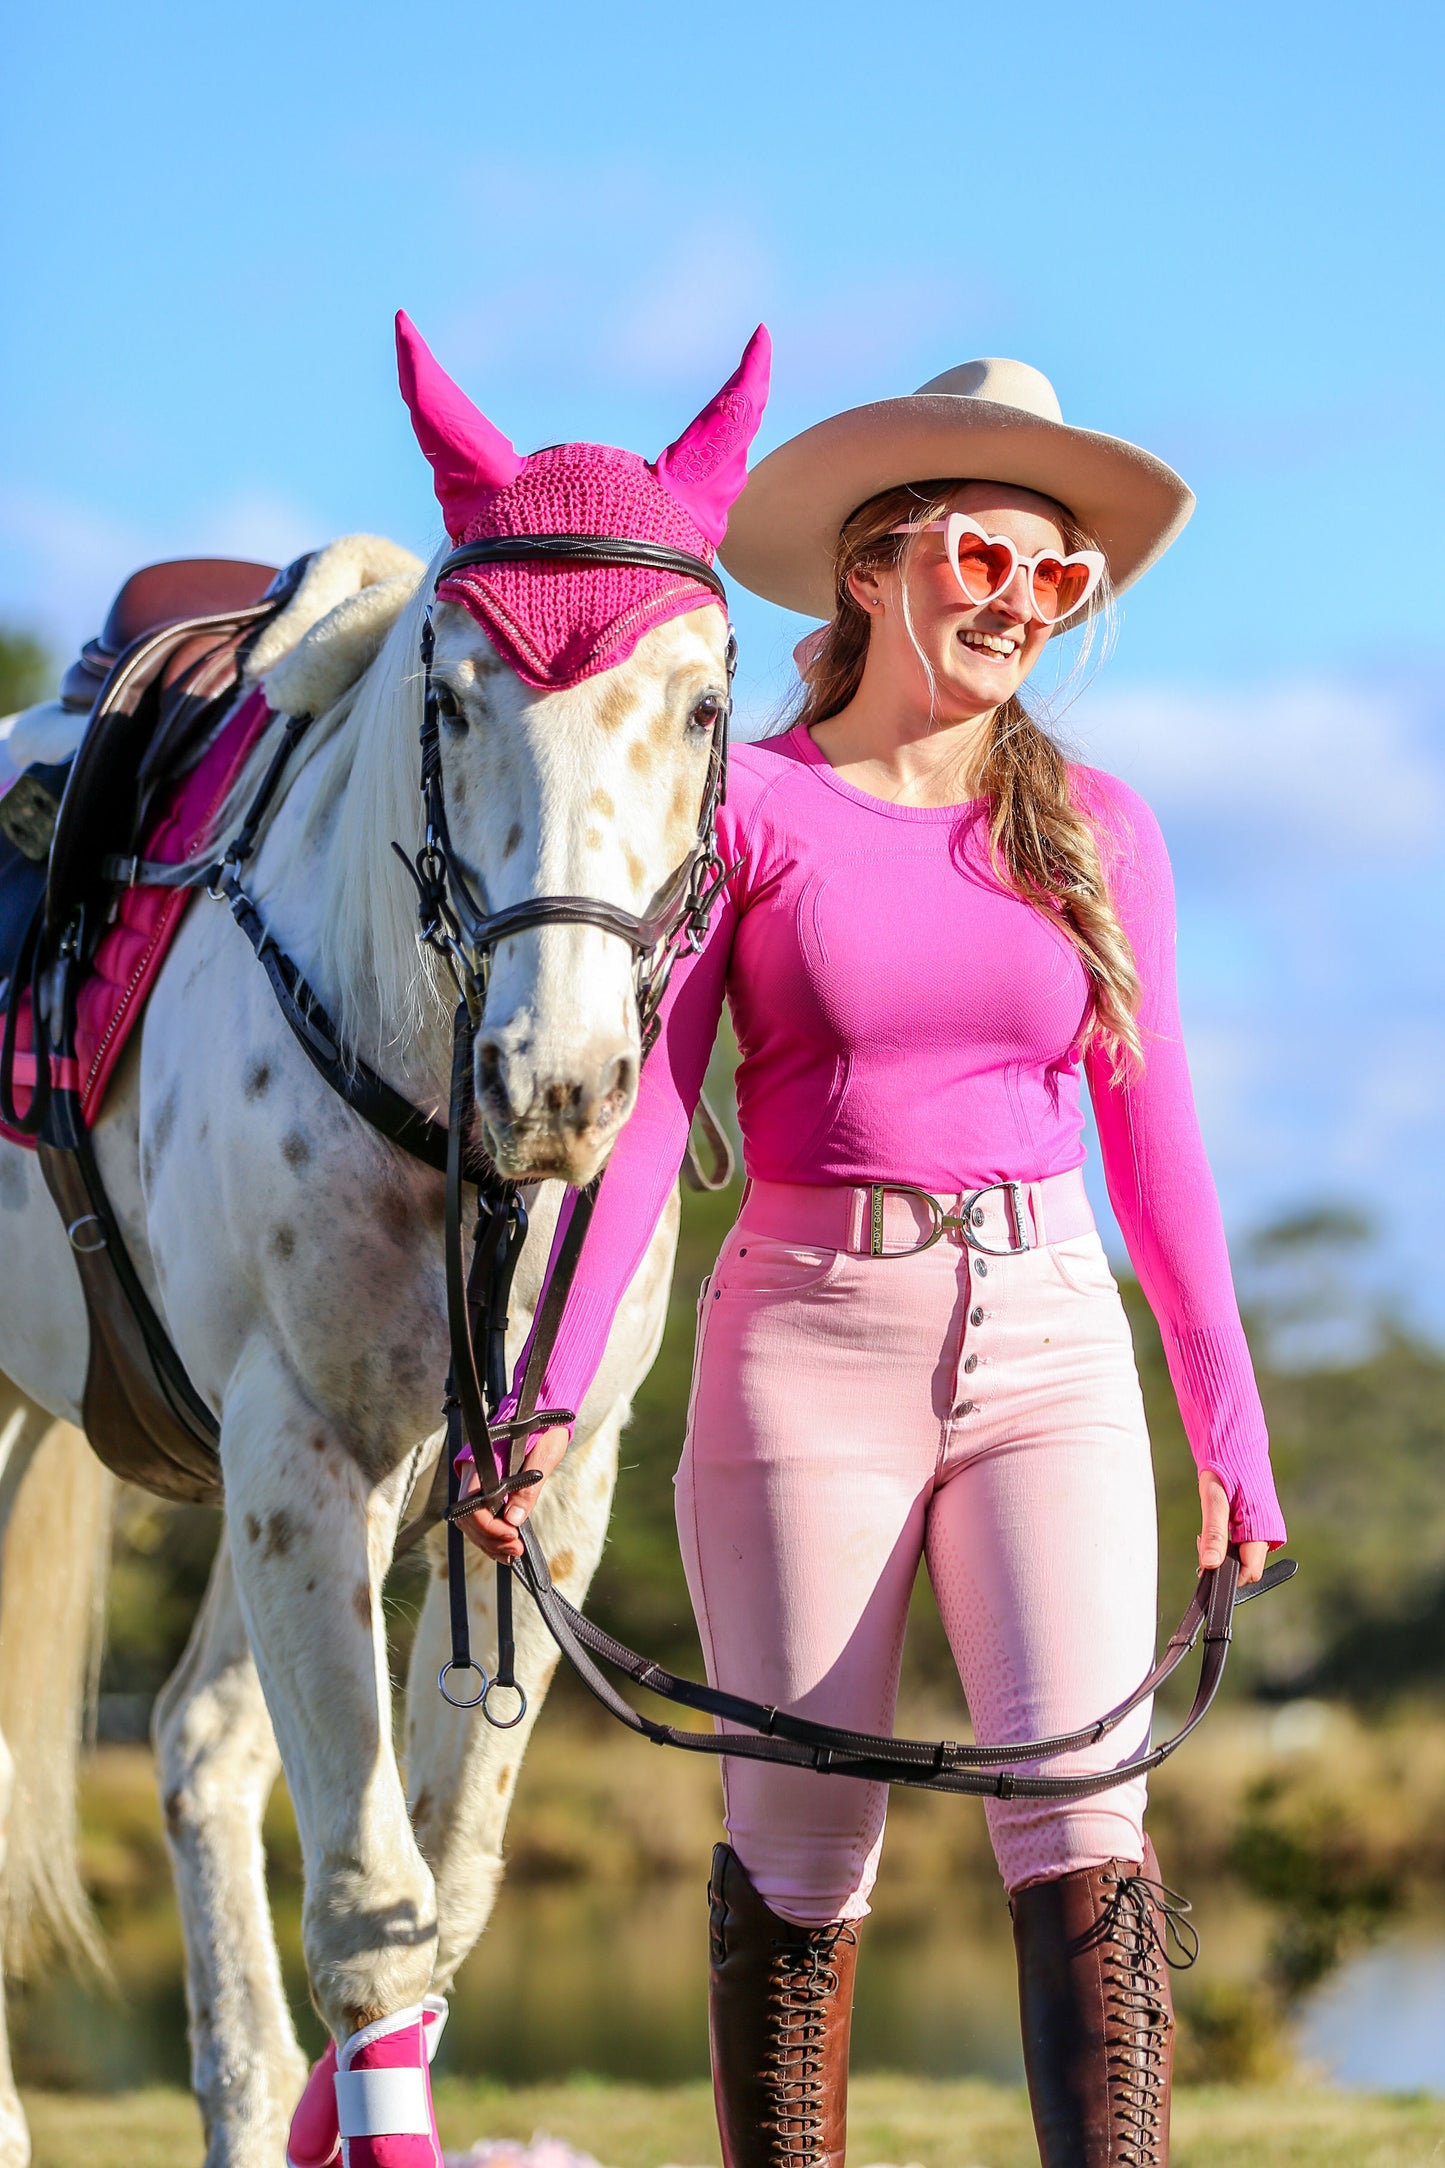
[{"x": 556, "y": 624}]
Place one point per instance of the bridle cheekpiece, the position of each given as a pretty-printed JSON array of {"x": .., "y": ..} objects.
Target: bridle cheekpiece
[{"x": 455, "y": 923}]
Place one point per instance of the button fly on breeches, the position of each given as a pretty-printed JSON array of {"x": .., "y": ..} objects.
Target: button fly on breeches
[{"x": 970, "y": 1353}]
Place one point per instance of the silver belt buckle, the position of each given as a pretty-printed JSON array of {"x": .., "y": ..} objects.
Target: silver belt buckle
[
  {"x": 1018, "y": 1212},
  {"x": 962, "y": 1222}
]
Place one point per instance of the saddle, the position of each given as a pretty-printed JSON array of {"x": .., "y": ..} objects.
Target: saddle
[
  {"x": 170, "y": 654},
  {"x": 170, "y": 650},
  {"x": 155, "y": 683}
]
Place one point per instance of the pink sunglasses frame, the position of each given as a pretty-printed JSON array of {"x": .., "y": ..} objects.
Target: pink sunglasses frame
[{"x": 955, "y": 525}]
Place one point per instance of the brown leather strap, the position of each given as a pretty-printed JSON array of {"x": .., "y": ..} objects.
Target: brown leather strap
[
  {"x": 774, "y": 1735},
  {"x": 720, "y": 1147},
  {"x": 132, "y": 1414}
]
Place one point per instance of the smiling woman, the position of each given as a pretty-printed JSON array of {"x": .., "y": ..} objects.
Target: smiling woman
[{"x": 937, "y": 929}]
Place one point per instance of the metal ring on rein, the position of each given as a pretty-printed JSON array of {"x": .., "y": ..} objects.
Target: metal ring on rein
[
  {"x": 459, "y": 1701},
  {"x": 501, "y": 1723}
]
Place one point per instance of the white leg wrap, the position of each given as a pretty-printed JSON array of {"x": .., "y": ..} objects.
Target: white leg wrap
[{"x": 382, "y": 2104}]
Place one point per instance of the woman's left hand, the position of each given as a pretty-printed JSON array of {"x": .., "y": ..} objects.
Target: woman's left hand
[
  {"x": 1214, "y": 1532},
  {"x": 497, "y": 1533}
]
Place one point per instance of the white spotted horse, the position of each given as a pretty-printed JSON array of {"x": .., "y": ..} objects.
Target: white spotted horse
[{"x": 261, "y": 1177}]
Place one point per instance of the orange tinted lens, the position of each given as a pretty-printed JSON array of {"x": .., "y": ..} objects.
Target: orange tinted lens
[
  {"x": 983, "y": 567},
  {"x": 1058, "y": 588}
]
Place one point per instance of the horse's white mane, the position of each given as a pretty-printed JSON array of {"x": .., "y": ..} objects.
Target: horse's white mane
[{"x": 368, "y": 951}]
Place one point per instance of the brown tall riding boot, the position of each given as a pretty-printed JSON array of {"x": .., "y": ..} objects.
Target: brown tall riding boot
[
  {"x": 1097, "y": 2012},
  {"x": 780, "y": 2009}
]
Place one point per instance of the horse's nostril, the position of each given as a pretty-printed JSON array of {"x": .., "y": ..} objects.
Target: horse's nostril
[
  {"x": 618, "y": 1079},
  {"x": 512, "y": 1097},
  {"x": 489, "y": 1079}
]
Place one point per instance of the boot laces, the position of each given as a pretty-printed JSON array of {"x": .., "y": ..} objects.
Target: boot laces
[
  {"x": 801, "y": 1979},
  {"x": 1140, "y": 1921}
]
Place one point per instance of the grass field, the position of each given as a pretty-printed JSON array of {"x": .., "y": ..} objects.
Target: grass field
[{"x": 899, "y": 2120}]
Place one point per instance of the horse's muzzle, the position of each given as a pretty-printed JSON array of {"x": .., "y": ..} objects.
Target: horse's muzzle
[{"x": 539, "y": 1126}]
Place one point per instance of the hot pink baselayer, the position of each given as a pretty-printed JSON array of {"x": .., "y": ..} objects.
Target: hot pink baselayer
[{"x": 902, "y": 1017}]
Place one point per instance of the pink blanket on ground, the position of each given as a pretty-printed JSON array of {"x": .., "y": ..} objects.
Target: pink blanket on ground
[{"x": 135, "y": 943}]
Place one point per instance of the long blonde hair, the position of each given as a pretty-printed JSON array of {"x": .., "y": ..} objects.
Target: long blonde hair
[{"x": 1043, "y": 846}]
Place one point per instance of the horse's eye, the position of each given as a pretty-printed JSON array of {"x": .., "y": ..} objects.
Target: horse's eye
[
  {"x": 449, "y": 707},
  {"x": 706, "y": 712}
]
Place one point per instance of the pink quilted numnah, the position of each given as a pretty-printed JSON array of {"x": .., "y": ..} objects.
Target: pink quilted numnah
[
  {"x": 315, "y": 2139},
  {"x": 134, "y": 946}
]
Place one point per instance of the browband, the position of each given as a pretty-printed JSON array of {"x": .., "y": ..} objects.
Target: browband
[{"x": 583, "y": 549}]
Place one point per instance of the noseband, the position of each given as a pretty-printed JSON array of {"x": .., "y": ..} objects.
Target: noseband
[{"x": 455, "y": 923}]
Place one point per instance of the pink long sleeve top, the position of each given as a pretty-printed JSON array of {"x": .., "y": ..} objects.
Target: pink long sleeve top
[{"x": 903, "y": 1017}]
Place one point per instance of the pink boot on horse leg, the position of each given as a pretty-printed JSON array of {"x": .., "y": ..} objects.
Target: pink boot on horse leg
[{"x": 318, "y": 2128}]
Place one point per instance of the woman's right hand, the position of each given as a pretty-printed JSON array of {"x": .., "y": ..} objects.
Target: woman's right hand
[
  {"x": 1214, "y": 1532},
  {"x": 496, "y": 1533}
]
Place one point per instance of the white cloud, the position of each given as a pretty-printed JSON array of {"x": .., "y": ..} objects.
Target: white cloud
[
  {"x": 60, "y": 563},
  {"x": 259, "y": 524},
  {"x": 1315, "y": 760},
  {"x": 667, "y": 327},
  {"x": 617, "y": 278}
]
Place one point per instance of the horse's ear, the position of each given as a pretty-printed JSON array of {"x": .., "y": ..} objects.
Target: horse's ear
[
  {"x": 471, "y": 460},
  {"x": 708, "y": 465}
]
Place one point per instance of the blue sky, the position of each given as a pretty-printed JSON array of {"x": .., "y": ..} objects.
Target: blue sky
[{"x": 1216, "y": 229}]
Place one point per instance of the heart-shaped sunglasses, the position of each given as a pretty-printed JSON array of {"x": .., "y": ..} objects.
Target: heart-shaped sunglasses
[{"x": 984, "y": 565}]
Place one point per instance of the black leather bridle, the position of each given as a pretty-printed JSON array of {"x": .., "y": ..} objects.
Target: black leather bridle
[{"x": 458, "y": 927}]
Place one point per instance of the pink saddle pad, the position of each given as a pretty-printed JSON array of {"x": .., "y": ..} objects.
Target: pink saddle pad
[{"x": 135, "y": 943}]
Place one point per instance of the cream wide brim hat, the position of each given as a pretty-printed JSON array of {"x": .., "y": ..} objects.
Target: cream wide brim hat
[{"x": 986, "y": 421}]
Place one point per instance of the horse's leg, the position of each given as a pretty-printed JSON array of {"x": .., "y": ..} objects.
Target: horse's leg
[
  {"x": 461, "y": 1771},
  {"x": 218, "y": 1763},
  {"x": 312, "y": 1537}
]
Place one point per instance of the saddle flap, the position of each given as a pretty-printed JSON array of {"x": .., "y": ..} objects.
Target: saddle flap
[{"x": 162, "y": 687}]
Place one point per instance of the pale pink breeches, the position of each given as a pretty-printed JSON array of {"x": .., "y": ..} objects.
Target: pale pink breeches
[{"x": 851, "y": 1415}]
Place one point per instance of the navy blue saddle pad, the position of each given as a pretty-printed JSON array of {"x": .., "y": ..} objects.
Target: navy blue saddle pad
[{"x": 27, "y": 823}]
